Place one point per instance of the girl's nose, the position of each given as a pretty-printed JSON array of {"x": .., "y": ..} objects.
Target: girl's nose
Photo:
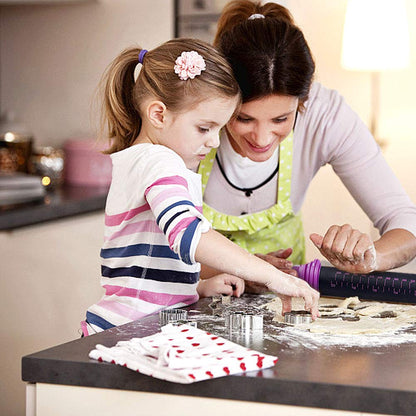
[{"x": 213, "y": 141}]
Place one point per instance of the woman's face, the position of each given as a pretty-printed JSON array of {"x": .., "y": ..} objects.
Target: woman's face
[{"x": 261, "y": 125}]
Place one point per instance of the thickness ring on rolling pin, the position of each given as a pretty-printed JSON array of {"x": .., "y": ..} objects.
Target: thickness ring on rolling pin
[
  {"x": 241, "y": 322},
  {"x": 298, "y": 317},
  {"x": 172, "y": 315}
]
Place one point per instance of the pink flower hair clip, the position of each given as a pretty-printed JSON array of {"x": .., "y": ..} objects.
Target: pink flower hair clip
[{"x": 189, "y": 65}]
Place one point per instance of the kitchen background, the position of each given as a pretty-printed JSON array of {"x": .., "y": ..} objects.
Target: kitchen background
[{"x": 52, "y": 54}]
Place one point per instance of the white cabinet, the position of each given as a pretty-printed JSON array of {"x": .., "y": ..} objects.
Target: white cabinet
[
  {"x": 86, "y": 401},
  {"x": 49, "y": 275}
]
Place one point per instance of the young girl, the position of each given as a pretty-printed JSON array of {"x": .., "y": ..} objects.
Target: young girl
[{"x": 161, "y": 126}]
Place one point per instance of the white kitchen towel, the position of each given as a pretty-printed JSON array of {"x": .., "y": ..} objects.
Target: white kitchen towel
[{"x": 183, "y": 354}]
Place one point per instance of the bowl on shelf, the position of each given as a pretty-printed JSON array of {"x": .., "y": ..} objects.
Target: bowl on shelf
[{"x": 85, "y": 164}]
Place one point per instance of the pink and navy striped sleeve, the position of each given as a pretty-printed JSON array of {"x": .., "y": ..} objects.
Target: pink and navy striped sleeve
[{"x": 176, "y": 215}]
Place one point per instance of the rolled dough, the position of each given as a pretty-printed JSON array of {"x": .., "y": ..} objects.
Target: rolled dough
[{"x": 351, "y": 316}]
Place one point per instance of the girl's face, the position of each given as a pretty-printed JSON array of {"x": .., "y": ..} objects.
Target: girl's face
[
  {"x": 261, "y": 125},
  {"x": 194, "y": 133}
]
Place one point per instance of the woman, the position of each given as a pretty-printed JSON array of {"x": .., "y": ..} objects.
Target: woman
[{"x": 286, "y": 129}]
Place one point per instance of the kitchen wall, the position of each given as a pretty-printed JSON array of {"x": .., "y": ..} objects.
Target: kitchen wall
[
  {"x": 52, "y": 57},
  {"x": 322, "y": 24}
]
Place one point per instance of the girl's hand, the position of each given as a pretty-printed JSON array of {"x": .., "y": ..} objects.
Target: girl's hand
[
  {"x": 347, "y": 249},
  {"x": 286, "y": 287},
  {"x": 221, "y": 284},
  {"x": 279, "y": 260}
]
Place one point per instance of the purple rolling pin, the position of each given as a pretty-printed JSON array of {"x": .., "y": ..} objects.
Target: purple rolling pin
[{"x": 382, "y": 286}]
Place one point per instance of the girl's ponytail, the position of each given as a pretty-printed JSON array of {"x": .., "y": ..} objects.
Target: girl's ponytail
[{"x": 120, "y": 113}]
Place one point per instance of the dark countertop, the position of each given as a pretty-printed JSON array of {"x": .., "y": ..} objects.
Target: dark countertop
[
  {"x": 63, "y": 202},
  {"x": 380, "y": 379}
]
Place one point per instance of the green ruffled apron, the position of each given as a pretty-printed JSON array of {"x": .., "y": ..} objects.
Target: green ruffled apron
[{"x": 272, "y": 229}]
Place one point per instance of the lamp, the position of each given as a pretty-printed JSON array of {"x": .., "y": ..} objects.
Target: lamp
[{"x": 375, "y": 39}]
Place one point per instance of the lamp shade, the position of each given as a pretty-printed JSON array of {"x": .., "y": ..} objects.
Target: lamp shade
[{"x": 376, "y": 36}]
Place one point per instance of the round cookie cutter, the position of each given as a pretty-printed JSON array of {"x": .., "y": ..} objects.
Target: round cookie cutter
[{"x": 298, "y": 317}]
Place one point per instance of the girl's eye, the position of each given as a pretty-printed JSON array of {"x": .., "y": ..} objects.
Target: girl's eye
[
  {"x": 203, "y": 129},
  {"x": 280, "y": 120}
]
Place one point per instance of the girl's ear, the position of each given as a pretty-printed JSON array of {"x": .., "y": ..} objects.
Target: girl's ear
[{"x": 156, "y": 113}]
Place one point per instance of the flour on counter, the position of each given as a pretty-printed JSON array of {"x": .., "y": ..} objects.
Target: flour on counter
[
  {"x": 385, "y": 330},
  {"x": 351, "y": 316},
  {"x": 367, "y": 332},
  {"x": 351, "y": 322}
]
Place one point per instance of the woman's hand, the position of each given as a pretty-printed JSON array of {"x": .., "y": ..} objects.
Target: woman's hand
[
  {"x": 221, "y": 284},
  {"x": 347, "y": 249},
  {"x": 277, "y": 259}
]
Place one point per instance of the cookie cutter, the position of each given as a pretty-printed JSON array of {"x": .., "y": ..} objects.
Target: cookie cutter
[
  {"x": 243, "y": 322},
  {"x": 298, "y": 317},
  {"x": 224, "y": 299},
  {"x": 249, "y": 339},
  {"x": 219, "y": 304},
  {"x": 179, "y": 323},
  {"x": 167, "y": 316}
]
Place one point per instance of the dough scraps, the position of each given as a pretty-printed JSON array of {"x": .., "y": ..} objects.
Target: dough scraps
[{"x": 351, "y": 316}]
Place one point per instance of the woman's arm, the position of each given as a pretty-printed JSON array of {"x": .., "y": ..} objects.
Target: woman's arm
[
  {"x": 330, "y": 132},
  {"x": 350, "y": 250},
  {"x": 394, "y": 249}
]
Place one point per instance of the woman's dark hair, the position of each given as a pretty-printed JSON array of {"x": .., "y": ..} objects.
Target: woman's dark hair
[{"x": 268, "y": 55}]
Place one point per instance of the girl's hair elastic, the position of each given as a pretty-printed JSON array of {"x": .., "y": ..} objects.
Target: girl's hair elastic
[{"x": 142, "y": 53}]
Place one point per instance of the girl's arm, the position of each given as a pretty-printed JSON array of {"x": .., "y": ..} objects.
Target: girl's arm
[
  {"x": 218, "y": 252},
  {"x": 276, "y": 258}
]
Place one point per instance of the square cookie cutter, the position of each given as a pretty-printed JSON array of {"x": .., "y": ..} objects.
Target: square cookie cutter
[
  {"x": 298, "y": 317},
  {"x": 243, "y": 322},
  {"x": 175, "y": 317}
]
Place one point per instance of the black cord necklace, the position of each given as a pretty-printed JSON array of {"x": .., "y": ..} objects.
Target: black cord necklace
[{"x": 247, "y": 191}]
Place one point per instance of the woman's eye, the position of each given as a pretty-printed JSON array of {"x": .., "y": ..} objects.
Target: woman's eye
[
  {"x": 203, "y": 129},
  {"x": 243, "y": 119}
]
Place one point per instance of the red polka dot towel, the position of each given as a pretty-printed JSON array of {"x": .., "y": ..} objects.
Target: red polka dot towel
[{"x": 183, "y": 354}]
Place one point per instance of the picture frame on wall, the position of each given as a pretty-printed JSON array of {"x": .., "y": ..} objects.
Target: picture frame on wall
[{"x": 197, "y": 18}]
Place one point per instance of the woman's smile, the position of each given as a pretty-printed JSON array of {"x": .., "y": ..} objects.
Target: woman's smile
[
  {"x": 262, "y": 125},
  {"x": 260, "y": 149}
]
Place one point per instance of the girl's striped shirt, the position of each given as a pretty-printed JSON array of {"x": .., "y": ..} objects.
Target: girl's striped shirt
[{"x": 153, "y": 223}]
